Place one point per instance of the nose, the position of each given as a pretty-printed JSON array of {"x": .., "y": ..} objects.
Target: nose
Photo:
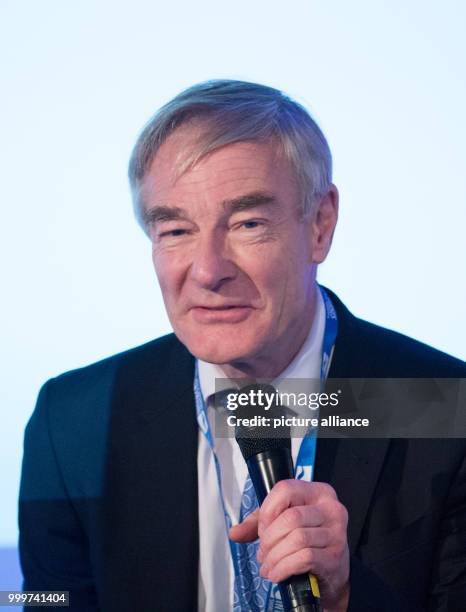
[{"x": 211, "y": 266}]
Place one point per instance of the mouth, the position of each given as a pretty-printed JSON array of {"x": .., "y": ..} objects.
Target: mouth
[{"x": 221, "y": 314}]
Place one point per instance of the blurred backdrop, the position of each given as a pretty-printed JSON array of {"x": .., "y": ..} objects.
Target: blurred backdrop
[{"x": 385, "y": 80}]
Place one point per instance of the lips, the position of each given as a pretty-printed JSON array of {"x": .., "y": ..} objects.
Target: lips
[
  {"x": 226, "y": 313},
  {"x": 223, "y": 306}
]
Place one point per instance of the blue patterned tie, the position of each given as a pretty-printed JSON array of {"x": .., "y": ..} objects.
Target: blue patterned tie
[
  {"x": 251, "y": 590},
  {"x": 252, "y": 593}
]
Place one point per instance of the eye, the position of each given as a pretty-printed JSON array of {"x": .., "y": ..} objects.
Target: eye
[
  {"x": 169, "y": 230},
  {"x": 174, "y": 232},
  {"x": 250, "y": 224}
]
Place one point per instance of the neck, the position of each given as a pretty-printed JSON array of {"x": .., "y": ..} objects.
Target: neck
[{"x": 272, "y": 361}]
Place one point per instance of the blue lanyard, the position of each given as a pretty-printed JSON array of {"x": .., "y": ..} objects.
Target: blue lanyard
[{"x": 307, "y": 450}]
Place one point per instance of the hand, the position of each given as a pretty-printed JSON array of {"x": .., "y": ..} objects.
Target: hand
[{"x": 302, "y": 529}]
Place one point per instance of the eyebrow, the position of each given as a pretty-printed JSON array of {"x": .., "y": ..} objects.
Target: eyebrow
[
  {"x": 162, "y": 213},
  {"x": 239, "y": 204},
  {"x": 250, "y": 200}
]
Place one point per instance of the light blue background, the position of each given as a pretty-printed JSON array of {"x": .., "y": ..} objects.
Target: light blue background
[{"x": 384, "y": 79}]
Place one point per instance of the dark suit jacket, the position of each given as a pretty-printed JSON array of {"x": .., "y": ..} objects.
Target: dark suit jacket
[{"x": 108, "y": 501}]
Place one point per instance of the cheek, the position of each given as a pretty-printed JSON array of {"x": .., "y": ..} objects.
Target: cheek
[
  {"x": 267, "y": 275},
  {"x": 277, "y": 266},
  {"x": 158, "y": 268},
  {"x": 166, "y": 276},
  {"x": 287, "y": 281},
  {"x": 170, "y": 261}
]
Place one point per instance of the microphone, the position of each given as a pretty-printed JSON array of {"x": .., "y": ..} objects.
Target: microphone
[{"x": 268, "y": 457}]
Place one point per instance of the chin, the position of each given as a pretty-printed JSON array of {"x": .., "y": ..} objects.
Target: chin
[{"x": 221, "y": 348}]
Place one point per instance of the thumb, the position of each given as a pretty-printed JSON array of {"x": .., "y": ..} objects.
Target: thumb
[{"x": 247, "y": 530}]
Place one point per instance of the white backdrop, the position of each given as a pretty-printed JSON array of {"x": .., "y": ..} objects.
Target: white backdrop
[{"x": 385, "y": 80}]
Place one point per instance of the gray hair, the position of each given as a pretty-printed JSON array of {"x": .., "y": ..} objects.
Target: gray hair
[{"x": 231, "y": 111}]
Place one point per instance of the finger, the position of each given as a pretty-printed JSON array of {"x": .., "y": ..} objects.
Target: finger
[
  {"x": 330, "y": 562},
  {"x": 247, "y": 530},
  {"x": 287, "y": 493},
  {"x": 300, "y": 562},
  {"x": 288, "y": 521},
  {"x": 307, "y": 537}
]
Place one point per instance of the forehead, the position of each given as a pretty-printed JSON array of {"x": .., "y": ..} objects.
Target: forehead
[{"x": 227, "y": 172}]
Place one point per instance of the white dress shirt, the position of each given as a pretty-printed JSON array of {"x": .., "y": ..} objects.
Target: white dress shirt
[{"x": 216, "y": 572}]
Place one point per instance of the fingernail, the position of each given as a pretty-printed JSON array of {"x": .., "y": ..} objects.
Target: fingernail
[
  {"x": 264, "y": 570},
  {"x": 259, "y": 555}
]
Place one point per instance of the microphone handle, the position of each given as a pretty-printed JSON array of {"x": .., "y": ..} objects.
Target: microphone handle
[{"x": 299, "y": 593}]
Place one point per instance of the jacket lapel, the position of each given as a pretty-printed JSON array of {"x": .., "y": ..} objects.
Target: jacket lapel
[
  {"x": 352, "y": 466},
  {"x": 150, "y": 504}
]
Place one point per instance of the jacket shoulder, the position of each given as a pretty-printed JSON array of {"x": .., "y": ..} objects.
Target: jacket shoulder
[
  {"x": 155, "y": 350},
  {"x": 365, "y": 349},
  {"x": 73, "y": 412},
  {"x": 412, "y": 357}
]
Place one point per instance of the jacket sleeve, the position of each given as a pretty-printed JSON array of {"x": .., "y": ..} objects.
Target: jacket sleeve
[{"x": 53, "y": 545}]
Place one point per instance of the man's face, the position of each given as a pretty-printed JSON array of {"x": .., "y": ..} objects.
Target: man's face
[{"x": 235, "y": 264}]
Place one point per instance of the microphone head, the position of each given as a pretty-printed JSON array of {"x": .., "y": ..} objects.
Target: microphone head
[{"x": 266, "y": 434}]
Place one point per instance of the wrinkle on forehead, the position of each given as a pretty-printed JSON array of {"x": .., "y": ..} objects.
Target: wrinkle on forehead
[{"x": 194, "y": 142}]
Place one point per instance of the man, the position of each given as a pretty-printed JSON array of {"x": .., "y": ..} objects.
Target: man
[{"x": 126, "y": 504}]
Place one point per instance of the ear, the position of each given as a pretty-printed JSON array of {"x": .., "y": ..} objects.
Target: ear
[{"x": 325, "y": 218}]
